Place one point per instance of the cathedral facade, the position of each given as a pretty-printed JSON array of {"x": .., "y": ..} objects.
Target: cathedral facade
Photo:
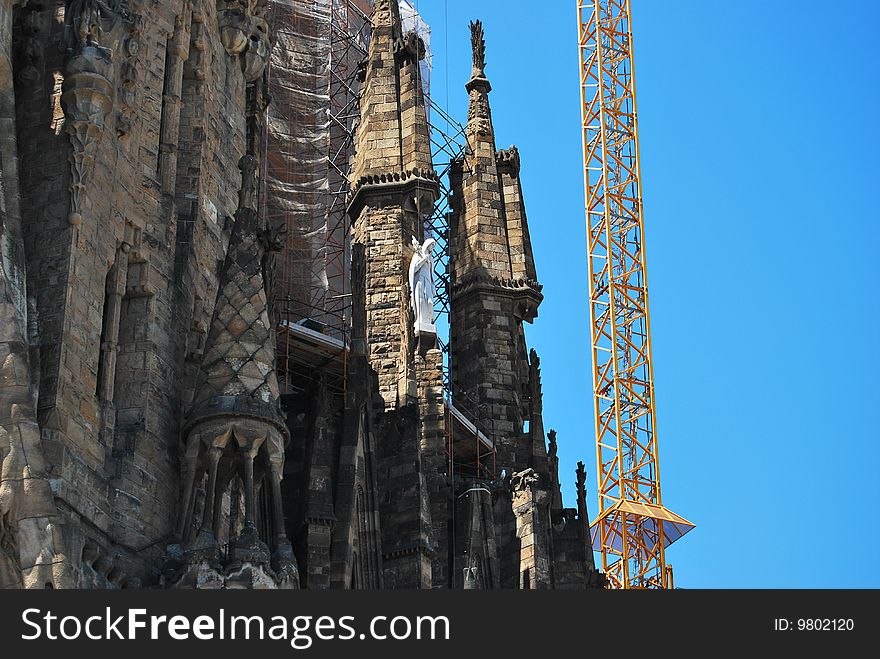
[{"x": 162, "y": 424}]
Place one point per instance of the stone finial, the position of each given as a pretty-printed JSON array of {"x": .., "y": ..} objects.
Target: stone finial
[
  {"x": 247, "y": 195},
  {"x": 386, "y": 13},
  {"x": 87, "y": 98},
  {"x": 509, "y": 158},
  {"x": 581, "y": 478},
  {"x": 551, "y": 437},
  {"x": 523, "y": 480},
  {"x": 535, "y": 390},
  {"x": 479, "y": 116},
  {"x": 478, "y": 47}
]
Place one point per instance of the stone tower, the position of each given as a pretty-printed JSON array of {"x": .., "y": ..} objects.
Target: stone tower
[
  {"x": 394, "y": 188},
  {"x": 493, "y": 291}
]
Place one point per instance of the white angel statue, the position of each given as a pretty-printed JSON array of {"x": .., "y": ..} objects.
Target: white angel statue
[{"x": 421, "y": 286}]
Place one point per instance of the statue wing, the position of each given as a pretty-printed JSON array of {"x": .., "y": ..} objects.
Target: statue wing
[
  {"x": 430, "y": 266},
  {"x": 413, "y": 262}
]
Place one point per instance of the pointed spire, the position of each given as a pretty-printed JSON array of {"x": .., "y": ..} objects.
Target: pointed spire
[
  {"x": 581, "y": 474},
  {"x": 555, "y": 489},
  {"x": 480, "y": 245},
  {"x": 238, "y": 368},
  {"x": 393, "y": 140}
]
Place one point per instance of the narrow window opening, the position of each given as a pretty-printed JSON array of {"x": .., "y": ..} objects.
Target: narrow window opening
[{"x": 106, "y": 321}]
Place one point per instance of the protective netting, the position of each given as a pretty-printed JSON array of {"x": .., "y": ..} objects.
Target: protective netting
[
  {"x": 298, "y": 143},
  {"x": 311, "y": 119},
  {"x": 412, "y": 22}
]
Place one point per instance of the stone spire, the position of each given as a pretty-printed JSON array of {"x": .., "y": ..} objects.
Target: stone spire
[
  {"x": 239, "y": 359},
  {"x": 490, "y": 230},
  {"x": 492, "y": 284},
  {"x": 594, "y": 578},
  {"x": 235, "y": 427},
  {"x": 392, "y": 141},
  {"x": 483, "y": 246}
]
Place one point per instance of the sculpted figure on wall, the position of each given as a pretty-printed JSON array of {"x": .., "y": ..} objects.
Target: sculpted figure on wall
[{"x": 421, "y": 286}]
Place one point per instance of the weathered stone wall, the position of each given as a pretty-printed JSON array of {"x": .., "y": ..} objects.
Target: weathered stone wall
[
  {"x": 529, "y": 500},
  {"x": 432, "y": 433},
  {"x": 31, "y": 546},
  {"x": 385, "y": 232},
  {"x": 124, "y": 268},
  {"x": 476, "y": 562},
  {"x": 403, "y": 505},
  {"x": 394, "y": 188},
  {"x": 572, "y": 565},
  {"x": 357, "y": 541},
  {"x": 484, "y": 363},
  {"x": 318, "y": 515}
]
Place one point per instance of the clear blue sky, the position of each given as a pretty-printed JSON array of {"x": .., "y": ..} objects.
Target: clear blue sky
[{"x": 759, "y": 145}]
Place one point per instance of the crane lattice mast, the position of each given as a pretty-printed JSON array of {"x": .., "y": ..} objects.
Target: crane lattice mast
[{"x": 632, "y": 528}]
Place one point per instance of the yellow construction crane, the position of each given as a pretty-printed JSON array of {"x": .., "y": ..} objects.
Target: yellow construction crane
[{"x": 632, "y": 528}]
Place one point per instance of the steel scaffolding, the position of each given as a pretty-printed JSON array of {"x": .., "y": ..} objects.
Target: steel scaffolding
[{"x": 315, "y": 269}]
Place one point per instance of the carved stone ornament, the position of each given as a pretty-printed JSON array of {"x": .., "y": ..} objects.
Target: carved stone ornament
[
  {"x": 523, "y": 480},
  {"x": 257, "y": 53},
  {"x": 234, "y": 26},
  {"x": 30, "y": 47},
  {"x": 87, "y": 93},
  {"x": 244, "y": 31},
  {"x": 128, "y": 95},
  {"x": 581, "y": 475},
  {"x": 509, "y": 158},
  {"x": 421, "y": 286},
  {"x": 478, "y": 50},
  {"x": 479, "y": 123},
  {"x": 478, "y": 79},
  {"x": 87, "y": 97},
  {"x": 247, "y": 194},
  {"x": 410, "y": 47},
  {"x": 273, "y": 237}
]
